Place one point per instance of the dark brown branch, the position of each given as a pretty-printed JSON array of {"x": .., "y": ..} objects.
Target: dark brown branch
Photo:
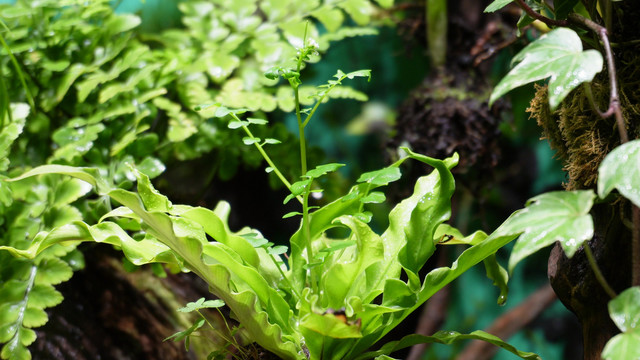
[
  {"x": 635, "y": 247},
  {"x": 538, "y": 16},
  {"x": 510, "y": 323}
]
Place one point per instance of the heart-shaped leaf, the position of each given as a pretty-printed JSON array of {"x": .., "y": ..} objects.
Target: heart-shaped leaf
[
  {"x": 557, "y": 55},
  {"x": 555, "y": 216},
  {"x": 619, "y": 170},
  {"x": 625, "y": 313}
]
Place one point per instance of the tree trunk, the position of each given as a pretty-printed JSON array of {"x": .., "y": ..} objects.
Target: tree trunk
[
  {"x": 108, "y": 313},
  {"x": 574, "y": 281}
]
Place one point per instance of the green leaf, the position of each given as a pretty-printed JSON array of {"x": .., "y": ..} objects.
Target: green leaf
[
  {"x": 121, "y": 23},
  {"x": 92, "y": 176},
  {"x": 250, "y": 140},
  {"x": 499, "y": 276},
  {"x": 555, "y": 216},
  {"x": 257, "y": 121},
  {"x": 381, "y": 177},
  {"x": 625, "y": 313},
  {"x": 277, "y": 250},
  {"x": 385, "y": 4},
  {"x": 70, "y": 190},
  {"x": 8, "y": 135},
  {"x": 221, "y": 66},
  {"x": 328, "y": 325},
  {"x": 625, "y": 310},
  {"x": 181, "y": 335},
  {"x": 432, "y": 208},
  {"x": 151, "y": 166},
  {"x": 623, "y": 346},
  {"x": 359, "y": 10},
  {"x": 322, "y": 170},
  {"x": 375, "y": 197},
  {"x": 497, "y": 5},
  {"x": 330, "y": 17},
  {"x": 446, "y": 337},
  {"x": 53, "y": 271},
  {"x": 563, "y": 8},
  {"x": 151, "y": 198},
  {"x": 44, "y": 296},
  {"x": 620, "y": 170},
  {"x": 202, "y": 304},
  {"x": 448, "y": 235},
  {"x": 557, "y": 55}
]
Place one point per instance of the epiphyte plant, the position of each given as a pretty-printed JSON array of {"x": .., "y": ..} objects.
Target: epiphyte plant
[{"x": 334, "y": 297}]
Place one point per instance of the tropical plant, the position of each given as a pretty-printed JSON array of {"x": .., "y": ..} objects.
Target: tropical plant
[
  {"x": 567, "y": 108},
  {"x": 341, "y": 289},
  {"x": 102, "y": 94}
]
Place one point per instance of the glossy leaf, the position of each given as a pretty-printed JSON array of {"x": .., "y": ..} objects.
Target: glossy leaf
[
  {"x": 9, "y": 133},
  {"x": 555, "y": 216},
  {"x": 625, "y": 313},
  {"x": 620, "y": 170},
  {"x": 446, "y": 337},
  {"x": 625, "y": 310},
  {"x": 498, "y": 275},
  {"x": 557, "y": 55},
  {"x": 497, "y": 5}
]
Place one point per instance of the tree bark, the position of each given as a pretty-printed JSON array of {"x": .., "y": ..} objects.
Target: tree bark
[{"x": 574, "y": 281}]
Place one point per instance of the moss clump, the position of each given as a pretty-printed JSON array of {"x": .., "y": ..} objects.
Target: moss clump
[{"x": 581, "y": 137}]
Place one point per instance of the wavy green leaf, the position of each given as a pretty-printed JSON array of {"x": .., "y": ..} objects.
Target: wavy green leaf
[
  {"x": 446, "y": 337},
  {"x": 557, "y": 55}
]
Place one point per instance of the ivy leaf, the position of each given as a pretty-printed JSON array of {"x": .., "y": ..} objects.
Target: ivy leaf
[
  {"x": 557, "y": 55},
  {"x": 620, "y": 170},
  {"x": 625, "y": 313},
  {"x": 555, "y": 216}
]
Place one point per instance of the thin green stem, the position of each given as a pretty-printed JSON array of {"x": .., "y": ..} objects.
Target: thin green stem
[
  {"x": 284, "y": 276},
  {"x": 266, "y": 157},
  {"x": 596, "y": 270},
  {"x": 20, "y": 74},
  {"x": 229, "y": 339},
  {"x": 306, "y": 227}
]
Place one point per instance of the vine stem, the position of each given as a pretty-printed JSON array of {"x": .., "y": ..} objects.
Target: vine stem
[
  {"x": 614, "y": 106},
  {"x": 266, "y": 157},
  {"x": 550, "y": 22},
  {"x": 596, "y": 270},
  {"x": 306, "y": 226}
]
